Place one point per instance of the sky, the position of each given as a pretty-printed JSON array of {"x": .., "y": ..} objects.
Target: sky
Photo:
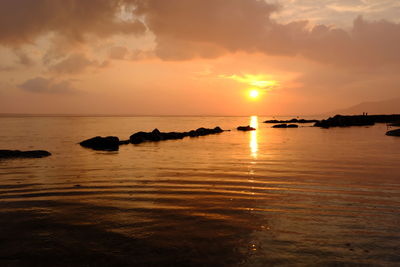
[{"x": 197, "y": 57}]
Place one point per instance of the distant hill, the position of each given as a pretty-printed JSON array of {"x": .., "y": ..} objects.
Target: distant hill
[{"x": 391, "y": 106}]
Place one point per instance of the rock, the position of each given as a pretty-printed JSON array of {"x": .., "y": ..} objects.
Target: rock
[
  {"x": 393, "y": 132},
  {"x": 245, "y": 128},
  {"x": 138, "y": 137},
  {"x": 24, "y": 154},
  {"x": 284, "y": 125},
  {"x": 218, "y": 130},
  {"x": 175, "y": 135},
  {"x": 202, "y": 131},
  {"x": 155, "y": 135},
  {"x": 192, "y": 133},
  {"x": 109, "y": 143},
  {"x": 395, "y": 124},
  {"x": 291, "y": 121}
]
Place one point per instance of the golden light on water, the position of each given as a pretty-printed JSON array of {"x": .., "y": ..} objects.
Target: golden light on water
[{"x": 253, "y": 136}]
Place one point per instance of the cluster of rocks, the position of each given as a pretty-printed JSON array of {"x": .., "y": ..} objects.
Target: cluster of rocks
[
  {"x": 112, "y": 143},
  {"x": 284, "y": 125},
  {"x": 245, "y": 128},
  {"x": 356, "y": 120},
  {"x": 291, "y": 121},
  {"x": 156, "y": 135},
  {"x": 345, "y": 121},
  {"x": 24, "y": 154}
]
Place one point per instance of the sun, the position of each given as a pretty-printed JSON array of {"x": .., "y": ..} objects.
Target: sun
[{"x": 254, "y": 93}]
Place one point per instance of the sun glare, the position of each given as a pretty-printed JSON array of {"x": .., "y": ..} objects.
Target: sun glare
[{"x": 254, "y": 93}]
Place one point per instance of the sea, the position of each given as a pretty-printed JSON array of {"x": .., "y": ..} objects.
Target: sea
[{"x": 270, "y": 197}]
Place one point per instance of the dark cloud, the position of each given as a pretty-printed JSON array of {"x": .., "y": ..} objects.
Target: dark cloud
[
  {"x": 196, "y": 29},
  {"x": 24, "y": 59},
  {"x": 142, "y": 55},
  {"x": 205, "y": 28},
  {"x": 73, "y": 64},
  {"x": 118, "y": 52},
  {"x": 22, "y": 21},
  {"x": 7, "y": 68},
  {"x": 47, "y": 86},
  {"x": 209, "y": 28}
]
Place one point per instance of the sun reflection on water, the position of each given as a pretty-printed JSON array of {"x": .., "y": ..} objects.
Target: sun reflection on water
[{"x": 253, "y": 137}]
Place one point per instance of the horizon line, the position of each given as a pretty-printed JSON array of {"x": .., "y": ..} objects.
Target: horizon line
[{"x": 142, "y": 115}]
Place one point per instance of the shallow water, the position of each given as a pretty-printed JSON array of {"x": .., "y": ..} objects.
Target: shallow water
[{"x": 305, "y": 196}]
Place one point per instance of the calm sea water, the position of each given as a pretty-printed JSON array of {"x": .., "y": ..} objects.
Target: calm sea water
[{"x": 305, "y": 196}]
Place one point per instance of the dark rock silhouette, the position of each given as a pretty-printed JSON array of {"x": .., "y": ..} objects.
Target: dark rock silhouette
[
  {"x": 124, "y": 142},
  {"x": 138, "y": 137},
  {"x": 284, "y": 125},
  {"x": 395, "y": 124},
  {"x": 393, "y": 132},
  {"x": 156, "y": 135},
  {"x": 24, "y": 154},
  {"x": 112, "y": 143},
  {"x": 291, "y": 121},
  {"x": 356, "y": 120},
  {"x": 109, "y": 143},
  {"x": 280, "y": 126},
  {"x": 245, "y": 128}
]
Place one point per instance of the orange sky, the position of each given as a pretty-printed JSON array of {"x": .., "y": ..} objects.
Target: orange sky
[{"x": 196, "y": 57}]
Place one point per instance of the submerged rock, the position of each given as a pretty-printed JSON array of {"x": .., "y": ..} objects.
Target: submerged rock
[
  {"x": 109, "y": 143},
  {"x": 284, "y": 125},
  {"x": 24, "y": 154},
  {"x": 291, "y": 121},
  {"x": 245, "y": 128},
  {"x": 393, "y": 132}
]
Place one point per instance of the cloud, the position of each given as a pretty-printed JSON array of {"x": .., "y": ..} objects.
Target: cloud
[
  {"x": 184, "y": 30},
  {"x": 118, "y": 52},
  {"x": 338, "y": 12},
  {"x": 6, "y": 68},
  {"x": 23, "y": 21},
  {"x": 47, "y": 86},
  {"x": 122, "y": 52},
  {"x": 142, "y": 54},
  {"x": 211, "y": 28},
  {"x": 73, "y": 64},
  {"x": 369, "y": 43},
  {"x": 204, "y": 28},
  {"x": 259, "y": 81},
  {"x": 24, "y": 59}
]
